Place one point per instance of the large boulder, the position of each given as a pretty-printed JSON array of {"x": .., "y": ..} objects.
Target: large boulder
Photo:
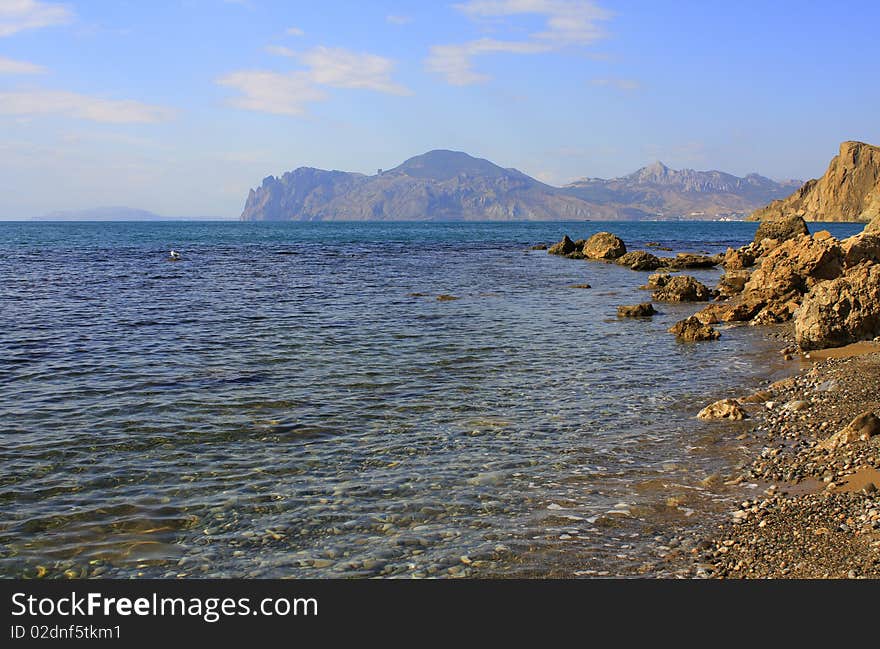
[
  {"x": 842, "y": 311},
  {"x": 692, "y": 330},
  {"x": 639, "y": 260},
  {"x": 683, "y": 288},
  {"x": 733, "y": 282},
  {"x": 643, "y": 310},
  {"x": 798, "y": 264},
  {"x": 781, "y": 229},
  {"x": 564, "y": 247},
  {"x": 861, "y": 247},
  {"x": 604, "y": 245},
  {"x": 740, "y": 309}
]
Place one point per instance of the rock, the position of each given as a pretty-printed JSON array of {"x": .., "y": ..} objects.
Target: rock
[
  {"x": 849, "y": 190},
  {"x": 842, "y": 311},
  {"x": 539, "y": 246},
  {"x": 737, "y": 259},
  {"x": 862, "y": 428},
  {"x": 739, "y": 309},
  {"x": 781, "y": 229},
  {"x": 643, "y": 310},
  {"x": 691, "y": 330},
  {"x": 564, "y": 247},
  {"x": 682, "y": 288},
  {"x": 447, "y": 298},
  {"x": 639, "y": 260},
  {"x": 657, "y": 280},
  {"x": 604, "y": 245},
  {"x": 798, "y": 264},
  {"x": 580, "y": 286},
  {"x": 723, "y": 409},
  {"x": 733, "y": 282},
  {"x": 690, "y": 260},
  {"x": 859, "y": 248}
]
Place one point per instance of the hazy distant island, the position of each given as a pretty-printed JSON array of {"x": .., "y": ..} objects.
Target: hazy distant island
[
  {"x": 114, "y": 213},
  {"x": 451, "y": 185}
]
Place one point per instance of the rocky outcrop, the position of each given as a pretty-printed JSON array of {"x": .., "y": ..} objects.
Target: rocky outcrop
[
  {"x": 682, "y": 288},
  {"x": 724, "y": 409},
  {"x": 604, "y": 245},
  {"x": 639, "y": 260},
  {"x": 737, "y": 259},
  {"x": 781, "y": 229},
  {"x": 656, "y": 281},
  {"x": 690, "y": 260},
  {"x": 841, "y": 311},
  {"x": 733, "y": 282},
  {"x": 849, "y": 190},
  {"x": 692, "y": 330},
  {"x": 643, "y": 310},
  {"x": 564, "y": 247}
]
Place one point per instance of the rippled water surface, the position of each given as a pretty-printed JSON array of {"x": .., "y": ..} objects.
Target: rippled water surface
[{"x": 294, "y": 400}]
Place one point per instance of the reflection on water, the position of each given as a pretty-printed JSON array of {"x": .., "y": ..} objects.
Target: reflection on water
[{"x": 293, "y": 400}]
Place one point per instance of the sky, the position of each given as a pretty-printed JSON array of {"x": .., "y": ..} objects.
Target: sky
[{"x": 181, "y": 106}]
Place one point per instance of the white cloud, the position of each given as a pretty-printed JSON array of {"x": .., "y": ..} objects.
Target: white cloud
[
  {"x": 295, "y": 31},
  {"x": 289, "y": 93},
  {"x": 396, "y": 19},
  {"x": 340, "y": 68},
  {"x": 272, "y": 92},
  {"x": 620, "y": 84},
  {"x": 454, "y": 61},
  {"x": 19, "y": 15},
  {"x": 71, "y": 104},
  {"x": 11, "y": 66},
  {"x": 567, "y": 23},
  {"x": 280, "y": 50}
]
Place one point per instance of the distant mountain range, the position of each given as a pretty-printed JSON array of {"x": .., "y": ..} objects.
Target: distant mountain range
[
  {"x": 115, "y": 214},
  {"x": 450, "y": 185}
]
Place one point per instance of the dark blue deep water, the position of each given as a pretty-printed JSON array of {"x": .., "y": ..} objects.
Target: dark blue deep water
[{"x": 293, "y": 400}]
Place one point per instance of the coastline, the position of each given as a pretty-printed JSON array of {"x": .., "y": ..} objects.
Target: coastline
[{"x": 816, "y": 510}]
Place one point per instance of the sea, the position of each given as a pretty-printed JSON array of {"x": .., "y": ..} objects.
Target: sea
[{"x": 293, "y": 400}]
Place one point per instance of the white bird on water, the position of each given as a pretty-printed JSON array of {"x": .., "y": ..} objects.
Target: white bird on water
[{"x": 174, "y": 256}]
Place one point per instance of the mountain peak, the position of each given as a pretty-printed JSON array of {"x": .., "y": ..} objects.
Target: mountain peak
[{"x": 443, "y": 164}]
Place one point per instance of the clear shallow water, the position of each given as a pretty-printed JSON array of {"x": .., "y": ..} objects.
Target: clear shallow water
[{"x": 279, "y": 403}]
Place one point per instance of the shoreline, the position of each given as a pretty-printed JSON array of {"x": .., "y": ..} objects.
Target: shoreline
[{"x": 816, "y": 512}]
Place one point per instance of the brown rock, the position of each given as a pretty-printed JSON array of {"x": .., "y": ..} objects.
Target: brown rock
[
  {"x": 724, "y": 409},
  {"x": 842, "y": 311},
  {"x": 683, "y": 288},
  {"x": 564, "y": 247},
  {"x": 861, "y": 247},
  {"x": 798, "y": 264},
  {"x": 639, "y": 260},
  {"x": 604, "y": 245},
  {"x": 740, "y": 309},
  {"x": 781, "y": 229},
  {"x": 849, "y": 190},
  {"x": 733, "y": 282},
  {"x": 737, "y": 259},
  {"x": 643, "y": 310},
  {"x": 657, "y": 280},
  {"x": 691, "y": 330},
  {"x": 862, "y": 428},
  {"x": 691, "y": 260}
]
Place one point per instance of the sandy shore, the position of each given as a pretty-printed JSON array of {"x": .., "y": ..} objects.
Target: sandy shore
[{"x": 817, "y": 512}]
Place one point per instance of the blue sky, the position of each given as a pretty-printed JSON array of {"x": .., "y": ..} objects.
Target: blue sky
[{"x": 181, "y": 106}]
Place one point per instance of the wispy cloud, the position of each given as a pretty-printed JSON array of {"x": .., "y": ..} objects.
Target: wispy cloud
[
  {"x": 289, "y": 93},
  {"x": 566, "y": 23},
  {"x": 11, "y": 66},
  {"x": 620, "y": 84},
  {"x": 294, "y": 31},
  {"x": 272, "y": 92},
  {"x": 341, "y": 68},
  {"x": 71, "y": 104},
  {"x": 280, "y": 50},
  {"x": 396, "y": 19},
  {"x": 20, "y": 15}
]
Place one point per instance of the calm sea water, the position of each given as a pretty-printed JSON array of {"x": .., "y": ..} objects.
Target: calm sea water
[{"x": 292, "y": 400}]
